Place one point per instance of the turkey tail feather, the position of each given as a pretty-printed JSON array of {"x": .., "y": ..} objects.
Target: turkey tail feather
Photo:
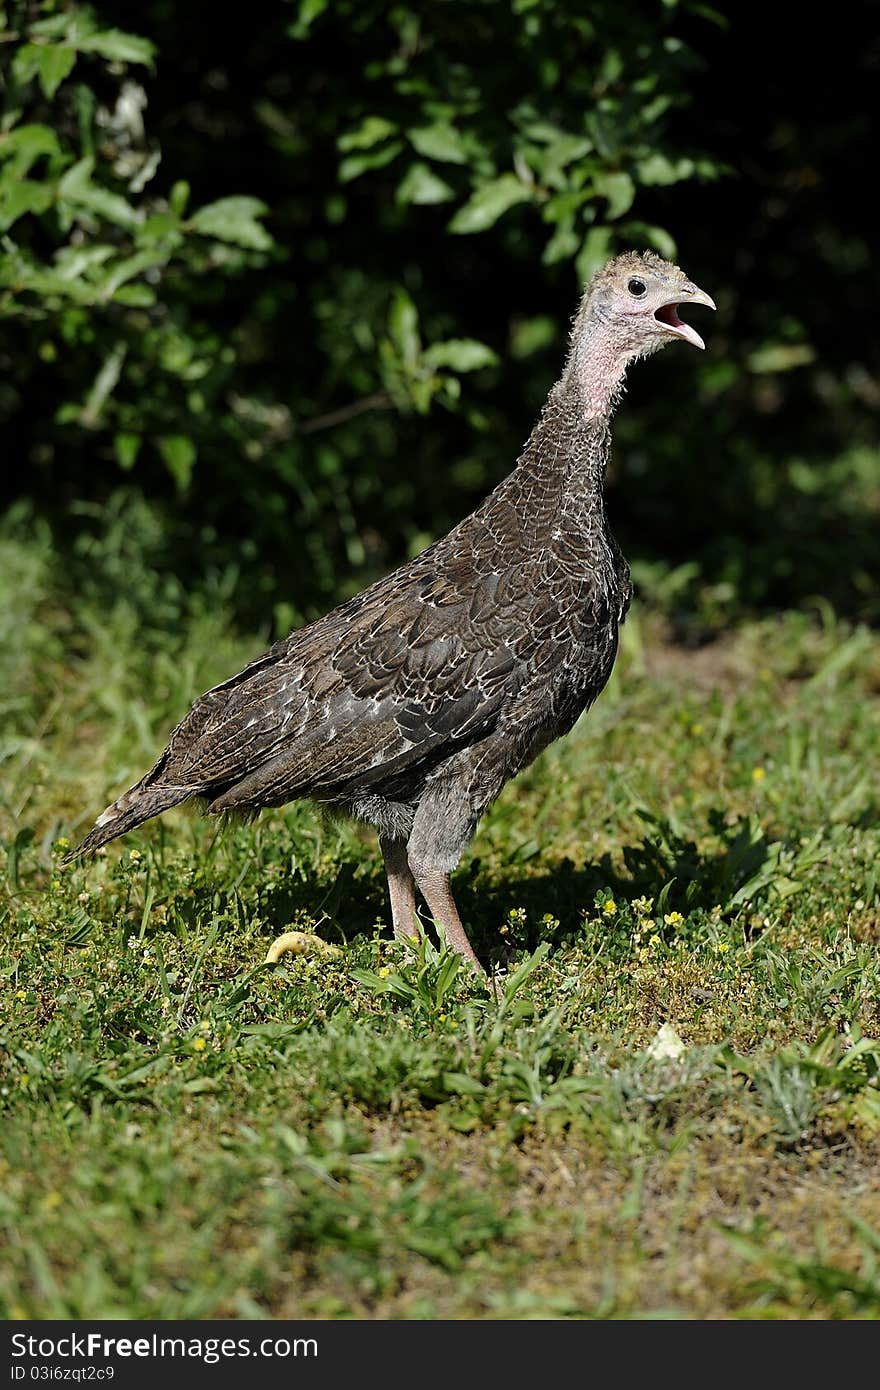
[{"x": 140, "y": 804}]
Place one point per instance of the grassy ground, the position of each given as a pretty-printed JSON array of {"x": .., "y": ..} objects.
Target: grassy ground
[{"x": 666, "y": 1102}]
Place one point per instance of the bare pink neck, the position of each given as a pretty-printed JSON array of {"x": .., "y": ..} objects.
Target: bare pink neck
[{"x": 596, "y": 367}]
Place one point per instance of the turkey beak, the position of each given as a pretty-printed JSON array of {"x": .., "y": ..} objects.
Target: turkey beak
[
  {"x": 667, "y": 314},
  {"x": 701, "y": 297}
]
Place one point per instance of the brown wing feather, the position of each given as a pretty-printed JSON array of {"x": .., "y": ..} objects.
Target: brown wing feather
[{"x": 373, "y": 688}]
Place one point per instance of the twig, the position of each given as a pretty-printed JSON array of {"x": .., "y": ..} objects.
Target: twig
[{"x": 380, "y": 400}]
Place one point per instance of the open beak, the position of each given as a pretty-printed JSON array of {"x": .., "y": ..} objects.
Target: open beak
[{"x": 667, "y": 315}]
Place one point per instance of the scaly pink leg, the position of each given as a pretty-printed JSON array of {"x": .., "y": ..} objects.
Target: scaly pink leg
[
  {"x": 434, "y": 887},
  {"x": 401, "y": 888}
]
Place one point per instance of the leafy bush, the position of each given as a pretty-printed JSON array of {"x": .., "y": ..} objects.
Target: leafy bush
[{"x": 311, "y": 280}]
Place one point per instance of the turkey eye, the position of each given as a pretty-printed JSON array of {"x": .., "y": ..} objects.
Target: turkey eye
[{"x": 637, "y": 287}]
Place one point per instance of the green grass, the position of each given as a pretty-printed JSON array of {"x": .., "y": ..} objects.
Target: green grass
[{"x": 665, "y": 1102}]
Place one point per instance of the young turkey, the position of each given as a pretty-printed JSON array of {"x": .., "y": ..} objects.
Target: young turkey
[{"x": 413, "y": 704}]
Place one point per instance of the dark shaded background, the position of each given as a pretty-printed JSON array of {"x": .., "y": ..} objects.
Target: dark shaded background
[{"x": 755, "y": 466}]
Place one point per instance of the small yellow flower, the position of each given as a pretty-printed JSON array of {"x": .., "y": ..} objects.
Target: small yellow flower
[
  {"x": 20, "y": 994},
  {"x": 135, "y": 855},
  {"x": 673, "y": 919},
  {"x": 649, "y": 924},
  {"x": 696, "y": 730},
  {"x": 62, "y": 842},
  {"x": 610, "y": 908},
  {"x": 758, "y": 774},
  {"x": 24, "y": 1080},
  {"x": 383, "y": 972},
  {"x": 654, "y": 941},
  {"x": 200, "y": 1044},
  {"x": 643, "y": 905},
  {"x": 723, "y": 946},
  {"x": 56, "y": 883}
]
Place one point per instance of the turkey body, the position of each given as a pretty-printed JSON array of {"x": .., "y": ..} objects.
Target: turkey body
[{"x": 411, "y": 705}]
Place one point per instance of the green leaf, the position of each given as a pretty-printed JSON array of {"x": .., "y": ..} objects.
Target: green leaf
[
  {"x": 780, "y": 357},
  {"x": 563, "y": 244},
  {"x": 127, "y": 448},
  {"x": 619, "y": 190},
  {"x": 56, "y": 62},
  {"x": 22, "y": 147},
  {"x": 421, "y": 186},
  {"x": 461, "y": 354},
  {"x": 566, "y": 150},
  {"x": 26, "y": 63},
  {"x": 126, "y": 269},
  {"x": 386, "y": 984},
  {"x": 161, "y": 227},
  {"x": 653, "y": 236},
  {"x": 309, "y": 11},
  {"x": 118, "y": 46},
  {"x": 72, "y": 262},
  {"x": 21, "y": 271},
  {"x": 77, "y": 189},
  {"x": 199, "y": 1085},
  {"x": 531, "y": 335},
  {"x": 138, "y": 296},
  {"x": 520, "y": 975},
  {"x": 233, "y": 220},
  {"x": 14, "y": 851},
  {"x": 844, "y": 655},
  {"x": 103, "y": 386},
  {"x": 357, "y": 164},
  {"x": 22, "y": 197},
  {"x": 483, "y": 208},
  {"x": 179, "y": 197},
  {"x": 179, "y": 454},
  {"x": 403, "y": 326},
  {"x": 662, "y": 900},
  {"x": 594, "y": 252},
  {"x": 421, "y": 393},
  {"x": 553, "y": 162},
  {"x": 58, "y": 25},
  {"x": 440, "y": 141},
  {"x": 370, "y": 132},
  {"x": 657, "y": 169},
  {"x": 458, "y": 1083}
]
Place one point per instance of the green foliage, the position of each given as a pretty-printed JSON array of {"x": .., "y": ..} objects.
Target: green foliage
[
  {"x": 810, "y": 1279},
  {"x": 91, "y": 237},
  {"x": 159, "y": 321},
  {"x": 314, "y": 283},
  {"x": 671, "y": 1043}
]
